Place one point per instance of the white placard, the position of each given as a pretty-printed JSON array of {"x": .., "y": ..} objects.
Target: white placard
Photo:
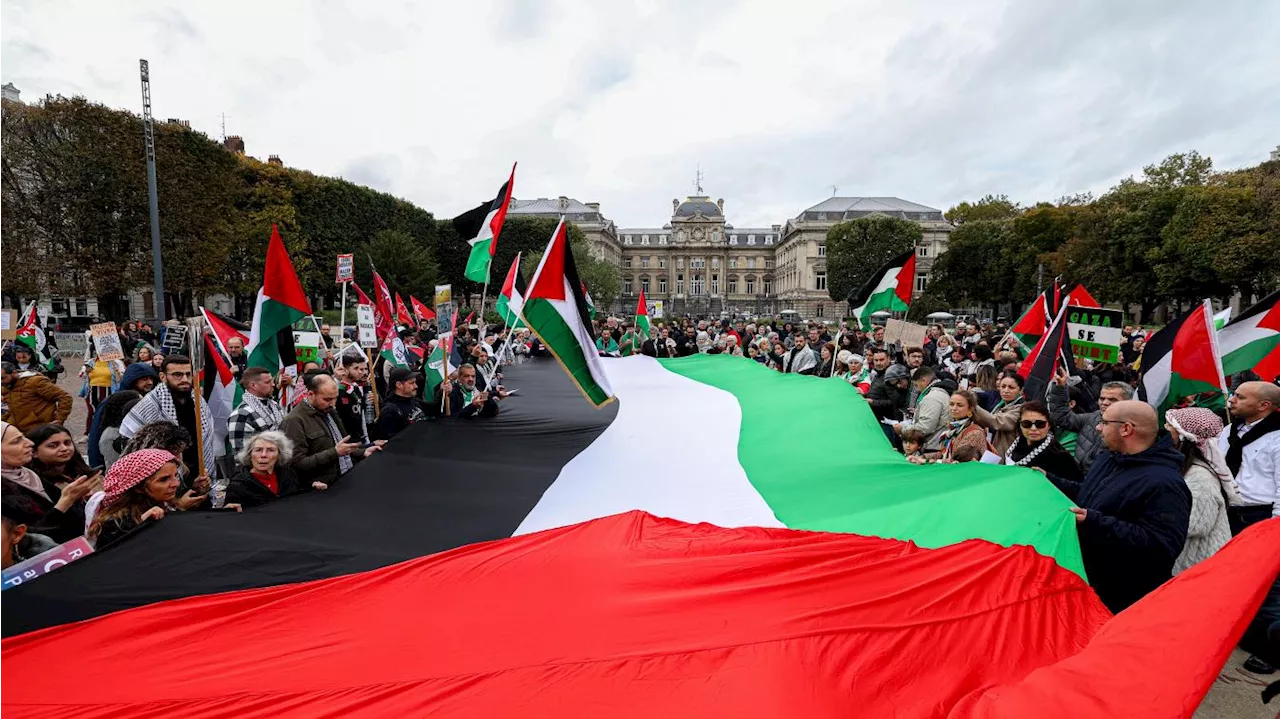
[{"x": 367, "y": 329}]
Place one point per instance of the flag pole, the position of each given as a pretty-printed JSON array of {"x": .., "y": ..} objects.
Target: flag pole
[
  {"x": 342, "y": 316},
  {"x": 373, "y": 384},
  {"x": 197, "y": 391}
]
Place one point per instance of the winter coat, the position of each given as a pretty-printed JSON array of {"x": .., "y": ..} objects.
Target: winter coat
[
  {"x": 34, "y": 400},
  {"x": 1003, "y": 423},
  {"x": 315, "y": 456},
  {"x": 1139, "y": 508},
  {"x": 1208, "y": 528},
  {"x": 887, "y": 401},
  {"x": 1088, "y": 441},
  {"x": 933, "y": 415},
  {"x": 132, "y": 374},
  {"x": 249, "y": 492}
]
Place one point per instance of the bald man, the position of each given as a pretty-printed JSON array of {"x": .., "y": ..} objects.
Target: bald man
[
  {"x": 1133, "y": 506},
  {"x": 1252, "y": 447}
]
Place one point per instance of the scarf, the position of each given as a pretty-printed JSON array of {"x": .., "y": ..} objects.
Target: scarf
[
  {"x": 1198, "y": 427},
  {"x": 344, "y": 461},
  {"x": 1036, "y": 451},
  {"x": 1006, "y": 405},
  {"x": 1236, "y": 443},
  {"x": 268, "y": 410},
  {"x": 159, "y": 405},
  {"x": 21, "y": 476},
  {"x": 955, "y": 429}
]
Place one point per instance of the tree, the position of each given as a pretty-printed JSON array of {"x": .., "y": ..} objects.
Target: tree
[
  {"x": 1187, "y": 169},
  {"x": 991, "y": 207},
  {"x": 856, "y": 249},
  {"x": 600, "y": 277},
  {"x": 1037, "y": 233},
  {"x": 965, "y": 273},
  {"x": 404, "y": 263}
]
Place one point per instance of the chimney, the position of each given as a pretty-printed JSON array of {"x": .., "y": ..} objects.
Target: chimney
[
  {"x": 234, "y": 143},
  {"x": 275, "y": 160},
  {"x": 720, "y": 205},
  {"x": 595, "y": 206},
  {"x": 564, "y": 203},
  {"x": 777, "y": 228}
]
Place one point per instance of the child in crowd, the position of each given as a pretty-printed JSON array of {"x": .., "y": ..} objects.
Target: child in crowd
[{"x": 912, "y": 442}]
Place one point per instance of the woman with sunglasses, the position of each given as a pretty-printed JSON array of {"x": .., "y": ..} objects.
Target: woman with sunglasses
[
  {"x": 1036, "y": 446},
  {"x": 1002, "y": 420}
]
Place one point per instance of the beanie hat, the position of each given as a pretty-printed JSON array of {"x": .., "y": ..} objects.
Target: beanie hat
[{"x": 133, "y": 469}]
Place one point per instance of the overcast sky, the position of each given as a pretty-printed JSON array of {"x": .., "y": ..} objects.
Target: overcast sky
[{"x": 619, "y": 103}]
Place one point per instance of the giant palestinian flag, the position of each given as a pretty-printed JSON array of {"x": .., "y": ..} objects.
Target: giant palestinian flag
[
  {"x": 1251, "y": 342},
  {"x": 556, "y": 311},
  {"x": 511, "y": 297},
  {"x": 888, "y": 290},
  {"x": 481, "y": 228},
  {"x": 281, "y": 302},
  {"x": 1182, "y": 361},
  {"x": 739, "y": 586}
]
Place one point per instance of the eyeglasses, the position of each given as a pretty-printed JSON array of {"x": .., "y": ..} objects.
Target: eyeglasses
[
  {"x": 1114, "y": 421},
  {"x": 1037, "y": 423}
]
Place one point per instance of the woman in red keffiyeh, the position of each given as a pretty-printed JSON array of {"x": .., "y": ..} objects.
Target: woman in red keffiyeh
[{"x": 139, "y": 487}]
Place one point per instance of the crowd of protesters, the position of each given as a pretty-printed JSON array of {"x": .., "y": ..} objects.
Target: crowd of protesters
[{"x": 1154, "y": 495}]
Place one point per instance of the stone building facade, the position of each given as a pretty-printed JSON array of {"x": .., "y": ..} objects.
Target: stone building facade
[{"x": 698, "y": 263}]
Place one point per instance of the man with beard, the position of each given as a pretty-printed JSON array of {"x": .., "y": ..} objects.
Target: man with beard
[
  {"x": 321, "y": 452},
  {"x": 800, "y": 359},
  {"x": 466, "y": 401},
  {"x": 355, "y": 411},
  {"x": 172, "y": 400}
]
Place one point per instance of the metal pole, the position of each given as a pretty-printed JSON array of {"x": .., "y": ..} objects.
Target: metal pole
[
  {"x": 148, "y": 134},
  {"x": 1040, "y": 278}
]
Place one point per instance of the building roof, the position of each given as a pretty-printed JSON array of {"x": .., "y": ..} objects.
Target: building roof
[
  {"x": 548, "y": 206},
  {"x": 693, "y": 205},
  {"x": 643, "y": 231},
  {"x": 867, "y": 205}
]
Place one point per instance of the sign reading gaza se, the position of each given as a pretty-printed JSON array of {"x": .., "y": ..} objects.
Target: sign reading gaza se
[{"x": 1095, "y": 333}]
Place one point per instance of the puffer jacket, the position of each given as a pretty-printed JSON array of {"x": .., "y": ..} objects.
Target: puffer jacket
[
  {"x": 1139, "y": 509},
  {"x": 34, "y": 400},
  {"x": 933, "y": 415},
  {"x": 1088, "y": 441}
]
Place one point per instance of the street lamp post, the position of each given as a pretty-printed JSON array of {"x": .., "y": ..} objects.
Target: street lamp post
[{"x": 148, "y": 134}]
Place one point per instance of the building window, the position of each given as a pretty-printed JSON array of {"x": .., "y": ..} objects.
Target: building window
[
  {"x": 922, "y": 280},
  {"x": 715, "y": 284},
  {"x": 751, "y": 263},
  {"x": 679, "y": 263},
  {"x": 922, "y": 251},
  {"x": 820, "y": 310},
  {"x": 626, "y": 287},
  {"x": 768, "y": 239},
  {"x": 768, "y": 287},
  {"x": 768, "y": 264},
  {"x": 644, "y": 262},
  {"x": 715, "y": 262},
  {"x": 822, "y": 250},
  {"x": 733, "y": 263},
  {"x": 644, "y": 239},
  {"x": 751, "y": 286},
  {"x": 662, "y": 263},
  {"x": 751, "y": 239},
  {"x": 679, "y": 284},
  {"x": 733, "y": 239},
  {"x": 733, "y": 285},
  {"x": 626, "y": 240},
  {"x": 82, "y": 308},
  {"x": 698, "y": 263},
  {"x": 644, "y": 284},
  {"x": 696, "y": 284},
  {"x": 626, "y": 263},
  {"x": 662, "y": 285},
  {"x": 820, "y": 281},
  {"x": 58, "y": 307},
  {"x": 662, "y": 239},
  {"x": 822, "y": 216}
]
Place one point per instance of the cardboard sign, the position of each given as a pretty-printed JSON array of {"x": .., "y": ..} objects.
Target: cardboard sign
[
  {"x": 346, "y": 269},
  {"x": 656, "y": 312},
  {"x": 175, "y": 339},
  {"x": 45, "y": 562},
  {"x": 306, "y": 345},
  {"x": 1095, "y": 333},
  {"x": 444, "y": 295},
  {"x": 9, "y": 324},
  {"x": 905, "y": 334},
  {"x": 367, "y": 328},
  {"x": 106, "y": 341},
  {"x": 444, "y": 317}
]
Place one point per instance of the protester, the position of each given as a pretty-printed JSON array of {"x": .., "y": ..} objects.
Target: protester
[
  {"x": 31, "y": 399},
  {"x": 56, "y": 459},
  {"x": 800, "y": 359},
  {"x": 850, "y": 367},
  {"x": 1088, "y": 440},
  {"x": 1194, "y": 431},
  {"x": 960, "y": 431},
  {"x": 239, "y": 360},
  {"x": 163, "y": 434},
  {"x": 62, "y": 508},
  {"x": 888, "y": 395},
  {"x": 115, "y": 409},
  {"x": 140, "y": 378},
  {"x": 99, "y": 377},
  {"x": 402, "y": 406},
  {"x": 466, "y": 401},
  {"x": 18, "y": 514},
  {"x": 321, "y": 452},
  {"x": 931, "y": 409},
  {"x": 1037, "y": 445},
  {"x": 172, "y": 400},
  {"x": 263, "y": 473},
  {"x": 1134, "y": 506},
  {"x": 137, "y": 489},
  {"x": 258, "y": 410},
  {"x": 1002, "y": 420},
  {"x": 355, "y": 411}
]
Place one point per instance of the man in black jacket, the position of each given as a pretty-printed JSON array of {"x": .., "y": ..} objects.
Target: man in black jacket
[
  {"x": 402, "y": 407},
  {"x": 1134, "y": 506},
  {"x": 888, "y": 397}
]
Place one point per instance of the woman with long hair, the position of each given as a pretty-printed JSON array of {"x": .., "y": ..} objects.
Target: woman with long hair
[
  {"x": 1037, "y": 446},
  {"x": 138, "y": 489},
  {"x": 1002, "y": 420},
  {"x": 1195, "y": 431},
  {"x": 827, "y": 357},
  {"x": 62, "y": 506},
  {"x": 961, "y": 435},
  {"x": 56, "y": 459}
]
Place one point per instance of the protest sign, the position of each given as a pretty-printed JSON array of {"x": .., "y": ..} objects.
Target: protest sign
[
  {"x": 656, "y": 312},
  {"x": 306, "y": 346},
  {"x": 45, "y": 562},
  {"x": 9, "y": 324},
  {"x": 1095, "y": 333},
  {"x": 367, "y": 328},
  {"x": 904, "y": 334},
  {"x": 444, "y": 317},
  {"x": 346, "y": 269},
  {"x": 444, "y": 295},
  {"x": 175, "y": 339},
  {"x": 106, "y": 341}
]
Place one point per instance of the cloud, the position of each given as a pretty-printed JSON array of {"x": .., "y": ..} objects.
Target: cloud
[{"x": 619, "y": 103}]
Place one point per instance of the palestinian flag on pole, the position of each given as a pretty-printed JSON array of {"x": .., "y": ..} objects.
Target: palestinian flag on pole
[
  {"x": 481, "y": 228},
  {"x": 32, "y": 334},
  {"x": 511, "y": 298},
  {"x": 218, "y": 385},
  {"x": 639, "y": 580},
  {"x": 281, "y": 302},
  {"x": 421, "y": 311},
  {"x": 223, "y": 329},
  {"x": 591, "y": 305},
  {"x": 1181, "y": 361},
  {"x": 438, "y": 364},
  {"x": 1039, "y": 368},
  {"x": 403, "y": 316},
  {"x": 888, "y": 290},
  {"x": 384, "y": 310},
  {"x": 1080, "y": 297},
  {"x": 642, "y": 318},
  {"x": 1252, "y": 340},
  {"x": 394, "y": 351},
  {"x": 556, "y": 311},
  {"x": 1031, "y": 325}
]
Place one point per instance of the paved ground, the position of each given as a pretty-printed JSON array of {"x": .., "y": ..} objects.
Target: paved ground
[{"x": 1235, "y": 695}]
